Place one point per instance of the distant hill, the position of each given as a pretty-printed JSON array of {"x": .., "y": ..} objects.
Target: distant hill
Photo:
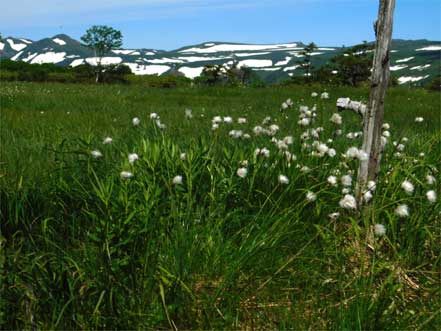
[{"x": 412, "y": 61}]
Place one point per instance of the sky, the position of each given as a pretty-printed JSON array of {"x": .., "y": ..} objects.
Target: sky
[{"x": 170, "y": 24}]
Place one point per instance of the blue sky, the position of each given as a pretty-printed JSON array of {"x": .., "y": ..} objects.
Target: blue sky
[{"x": 170, "y": 24}]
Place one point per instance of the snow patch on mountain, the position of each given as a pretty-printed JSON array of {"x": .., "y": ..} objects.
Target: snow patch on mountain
[
  {"x": 26, "y": 41},
  {"x": 139, "y": 69},
  {"x": 398, "y": 67},
  {"x": 76, "y": 62},
  {"x": 296, "y": 54},
  {"x": 269, "y": 69},
  {"x": 104, "y": 61},
  {"x": 420, "y": 68},
  {"x": 407, "y": 59},
  {"x": 123, "y": 51},
  {"x": 49, "y": 57},
  {"x": 409, "y": 79},
  {"x": 284, "y": 62},
  {"x": 164, "y": 60},
  {"x": 59, "y": 41},
  {"x": 16, "y": 56},
  {"x": 191, "y": 72},
  {"x": 255, "y": 63},
  {"x": 430, "y": 48},
  {"x": 2, "y": 45},
  {"x": 16, "y": 47},
  {"x": 199, "y": 58},
  {"x": 291, "y": 68},
  {"x": 251, "y": 54},
  {"x": 29, "y": 57},
  {"x": 236, "y": 47}
]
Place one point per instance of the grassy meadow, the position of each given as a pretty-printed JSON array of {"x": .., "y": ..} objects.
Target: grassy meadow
[{"x": 192, "y": 241}]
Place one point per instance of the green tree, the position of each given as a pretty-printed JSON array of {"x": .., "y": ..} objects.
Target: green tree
[
  {"x": 102, "y": 39},
  {"x": 212, "y": 74},
  {"x": 238, "y": 75},
  {"x": 354, "y": 64},
  {"x": 305, "y": 63}
]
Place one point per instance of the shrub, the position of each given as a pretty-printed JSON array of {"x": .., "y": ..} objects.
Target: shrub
[
  {"x": 8, "y": 76},
  {"x": 166, "y": 81},
  {"x": 435, "y": 84}
]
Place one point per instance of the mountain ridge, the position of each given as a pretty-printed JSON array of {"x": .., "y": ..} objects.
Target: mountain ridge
[{"x": 412, "y": 61}]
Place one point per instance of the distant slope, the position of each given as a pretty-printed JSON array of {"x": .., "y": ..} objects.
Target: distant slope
[{"x": 412, "y": 61}]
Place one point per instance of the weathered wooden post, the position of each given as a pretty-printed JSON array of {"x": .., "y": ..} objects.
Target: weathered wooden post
[{"x": 373, "y": 119}]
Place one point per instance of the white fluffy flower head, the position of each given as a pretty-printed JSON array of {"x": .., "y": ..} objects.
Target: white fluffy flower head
[
  {"x": 107, "y": 141},
  {"x": 379, "y": 230},
  {"x": 228, "y": 119},
  {"x": 136, "y": 121},
  {"x": 367, "y": 196},
  {"x": 311, "y": 196},
  {"x": 324, "y": 95},
  {"x": 96, "y": 154},
  {"x": 242, "y": 172},
  {"x": 431, "y": 196},
  {"x": 177, "y": 180},
  {"x": 126, "y": 174},
  {"x": 133, "y": 157},
  {"x": 430, "y": 179},
  {"x": 188, "y": 113},
  {"x": 402, "y": 210},
  {"x": 348, "y": 202},
  {"x": 332, "y": 180},
  {"x": 336, "y": 119},
  {"x": 283, "y": 179},
  {"x": 346, "y": 180},
  {"x": 407, "y": 186}
]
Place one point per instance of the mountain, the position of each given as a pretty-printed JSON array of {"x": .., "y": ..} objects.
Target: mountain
[{"x": 412, "y": 61}]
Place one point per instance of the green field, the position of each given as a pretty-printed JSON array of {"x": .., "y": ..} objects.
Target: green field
[{"x": 83, "y": 248}]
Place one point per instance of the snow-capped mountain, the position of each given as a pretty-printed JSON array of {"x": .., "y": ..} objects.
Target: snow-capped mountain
[{"x": 411, "y": 61}]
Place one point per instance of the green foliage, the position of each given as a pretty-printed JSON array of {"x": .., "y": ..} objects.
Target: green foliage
[
  {"x": 211, "y": 75},
  {"x": 239, "y": 76},
  {"x": 102, "y": 39},
  {"x": 163, "y": 81},
  {"x": 83, "y": 249},
  {"x": 306, "y": 63},
  {"x": 435, "y": 84},
  {"x": 393, "y": 81},
  {"x": 354, "y": 64},
  {"x": 215, "y": 75},
  {"x": 22, "y": 71}
]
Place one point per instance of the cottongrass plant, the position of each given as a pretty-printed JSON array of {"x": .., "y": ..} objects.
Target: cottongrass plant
[{"x": 201, "y": 230}]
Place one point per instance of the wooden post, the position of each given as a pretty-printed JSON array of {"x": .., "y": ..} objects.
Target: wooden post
[{"x": 373, "y": 121}]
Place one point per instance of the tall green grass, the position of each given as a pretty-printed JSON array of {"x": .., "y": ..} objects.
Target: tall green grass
[{"x": 84, "y": 249}]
